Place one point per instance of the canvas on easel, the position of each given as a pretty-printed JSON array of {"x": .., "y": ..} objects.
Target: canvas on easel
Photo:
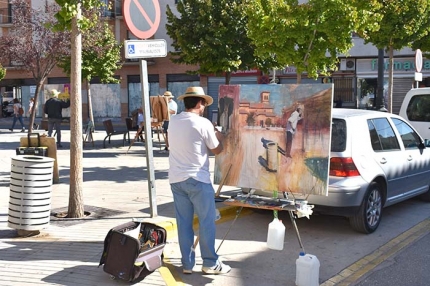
[{"x": 277, "y": 136}]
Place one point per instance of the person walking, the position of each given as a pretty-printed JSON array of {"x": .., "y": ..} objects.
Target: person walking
[
  {"x": 30, "y": 106},
  {"x": 291, "y": 129},
  {"x": 53, "y": 108},
  {"x": 173, "y": 109},
  {"x": 189, "y": 178},
  {"x": 17, "y": 114}
]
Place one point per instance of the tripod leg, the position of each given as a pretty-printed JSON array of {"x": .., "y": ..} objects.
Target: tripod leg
[{"x": 293, "y": 221}]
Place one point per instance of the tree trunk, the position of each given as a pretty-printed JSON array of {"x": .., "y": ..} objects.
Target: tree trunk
[
  {"x": 35, "y": 105},
  {"x": 76, "y": 206},
  {"x": 390, "y": 80},
  {"x": 299, "y": 77},
  {"x": 227, "y": 77}
]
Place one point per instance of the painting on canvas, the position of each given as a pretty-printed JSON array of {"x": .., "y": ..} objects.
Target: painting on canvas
[{"x": 277, "y": 137}]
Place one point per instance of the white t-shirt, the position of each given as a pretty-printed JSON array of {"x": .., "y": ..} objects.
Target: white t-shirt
[
  {"x": 192, "y": 135},
  {"x": 173, "y": 106}
]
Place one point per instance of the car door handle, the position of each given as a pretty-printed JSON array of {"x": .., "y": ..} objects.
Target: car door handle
[
  {"x": 383, "y": 161},
  {"x": 409, "y": 158}
]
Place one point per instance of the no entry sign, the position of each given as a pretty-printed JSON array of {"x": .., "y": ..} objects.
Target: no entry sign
[{"x": 142, "y": 17}]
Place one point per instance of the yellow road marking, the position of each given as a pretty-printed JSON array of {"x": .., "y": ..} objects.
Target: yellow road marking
[{"x": 366, "y": 264}]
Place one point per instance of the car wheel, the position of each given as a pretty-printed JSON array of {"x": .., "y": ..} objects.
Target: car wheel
[
  {"x": 426, "y": 196},
  {"x": 369, "y": 215}
]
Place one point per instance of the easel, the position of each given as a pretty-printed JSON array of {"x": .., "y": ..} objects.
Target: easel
[
  {"x": 87, "y": 135},
  {"x": 157, "y": 126}
]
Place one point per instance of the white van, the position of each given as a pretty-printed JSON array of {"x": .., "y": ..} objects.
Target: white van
[{"x": 416, "y": 109}]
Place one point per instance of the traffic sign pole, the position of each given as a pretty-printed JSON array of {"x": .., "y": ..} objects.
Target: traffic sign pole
[
  {"x": 148, "y": 136},
  {"x": 142, "y": 18},
  {"x": 418, "y": 66}
]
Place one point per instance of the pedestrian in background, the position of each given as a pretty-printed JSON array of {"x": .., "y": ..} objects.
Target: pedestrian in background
[
  {"x": 173, "y": 109},
  {"x": 53, "y": 108},
  {"x": 17, "y": 114},
  {"x": 190, "y": 181},
  {"x": 30, "y": 106}
]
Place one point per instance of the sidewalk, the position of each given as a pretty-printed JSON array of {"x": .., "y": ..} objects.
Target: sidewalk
[{"x": 115, "y": 190}]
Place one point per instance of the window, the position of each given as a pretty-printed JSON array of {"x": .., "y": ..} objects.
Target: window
[
  {"x": 338, "y": 135},
  {"x": 411, "y": 140},
  {"x": 419, "y": 108},
  {"x": 382, "y": 135},
  {"x": 111, "y": 8},
  {"x": 374, "y": 138}
]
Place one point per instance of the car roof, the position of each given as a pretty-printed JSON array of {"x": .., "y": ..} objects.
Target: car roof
[{"x": 347, "y": 112}]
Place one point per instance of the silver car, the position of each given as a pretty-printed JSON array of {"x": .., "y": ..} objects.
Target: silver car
[{"x": 377, "y": 159}]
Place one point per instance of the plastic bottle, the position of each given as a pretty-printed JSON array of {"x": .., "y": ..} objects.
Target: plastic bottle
[
  {"x": 307, "y": 270},
  {"x": 276, "y": 234}
]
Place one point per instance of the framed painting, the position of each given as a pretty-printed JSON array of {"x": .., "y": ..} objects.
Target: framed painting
[{"x": 277, "y": 137}]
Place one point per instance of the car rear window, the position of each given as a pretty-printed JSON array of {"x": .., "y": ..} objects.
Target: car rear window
[
  {"x": 419, "y": 108},
  {"x": 338, "y": 135}
]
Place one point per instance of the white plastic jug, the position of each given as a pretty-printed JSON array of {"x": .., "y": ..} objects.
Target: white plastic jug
[
  {"x": 307, "y": 270},
  {"x": 276, "y": 234}
]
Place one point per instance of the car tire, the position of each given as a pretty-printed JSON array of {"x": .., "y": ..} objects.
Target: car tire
[
  {"x": 370, "y": 213},
  {"x": 426, "y": 196}
]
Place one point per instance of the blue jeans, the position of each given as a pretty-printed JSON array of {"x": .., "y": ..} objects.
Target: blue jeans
[
  {"x": 194, "y": 196},
  {"x": 15, "y": 118}
]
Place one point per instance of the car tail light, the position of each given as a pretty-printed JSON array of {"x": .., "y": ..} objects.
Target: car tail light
[{"x": 343, "y": 167}]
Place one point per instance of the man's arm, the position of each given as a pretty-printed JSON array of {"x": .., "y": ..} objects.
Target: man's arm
[
  {"x": 65, "y": 104},
  {"x": 217, "y": 150},
  {"x": 45, "y": 108}
]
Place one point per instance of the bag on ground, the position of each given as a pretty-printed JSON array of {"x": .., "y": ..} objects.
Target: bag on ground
[{"x": 133, "y": 250}]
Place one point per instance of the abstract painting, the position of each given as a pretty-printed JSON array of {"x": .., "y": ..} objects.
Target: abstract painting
[{"x": 277, "y": 137}]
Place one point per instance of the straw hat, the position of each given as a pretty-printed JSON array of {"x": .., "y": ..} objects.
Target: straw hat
[
  {"x": 54, "y": 93},
  {"x": 168, "y": 94},
  {"x": 196, "y": 91}
]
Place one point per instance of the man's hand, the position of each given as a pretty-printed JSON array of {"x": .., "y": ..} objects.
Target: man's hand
[{"x": 219, "y": 136}]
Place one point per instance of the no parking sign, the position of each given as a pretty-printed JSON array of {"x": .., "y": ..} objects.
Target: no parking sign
[{"x": 142, "y": 17}]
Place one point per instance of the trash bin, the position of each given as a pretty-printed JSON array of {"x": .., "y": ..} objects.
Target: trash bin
[{"x": 30, "y": 192}]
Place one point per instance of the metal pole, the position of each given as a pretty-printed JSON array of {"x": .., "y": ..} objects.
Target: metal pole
[
  {"x": 293, "y": 221},
  {"x": 379, "y": 100},
  {"x": 148, "y": 141}
]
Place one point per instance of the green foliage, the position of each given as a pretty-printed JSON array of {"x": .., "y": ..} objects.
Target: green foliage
[
  {"x": 403, "y": 22},
  {"x": 100, "y": 54},
  {"x": 309, "y": 36},
  {"x": 69, "y": 10},
  {"x": 2, "y": 72},
  {"x": 212, "y": 35}
]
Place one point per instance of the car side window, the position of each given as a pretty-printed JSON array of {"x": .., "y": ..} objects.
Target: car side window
[
  {"x": 374, "y": 138},
  {"x": 411, "y": 140},
  {"x": 385, "y": 138}
]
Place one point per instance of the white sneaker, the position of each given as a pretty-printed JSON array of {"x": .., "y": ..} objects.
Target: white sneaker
[{"x": 219, "y": 268}]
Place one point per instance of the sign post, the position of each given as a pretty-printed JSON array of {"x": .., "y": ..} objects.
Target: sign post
[
  {"x": 418, "y": 66},
  {"x": 142, "y": 18}
]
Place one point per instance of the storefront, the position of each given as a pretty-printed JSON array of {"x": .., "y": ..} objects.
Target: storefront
[{"x": 403, "y": 74}]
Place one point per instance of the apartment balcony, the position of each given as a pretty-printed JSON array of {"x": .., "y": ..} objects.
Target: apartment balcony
[{"x": 5, "y": 17}]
